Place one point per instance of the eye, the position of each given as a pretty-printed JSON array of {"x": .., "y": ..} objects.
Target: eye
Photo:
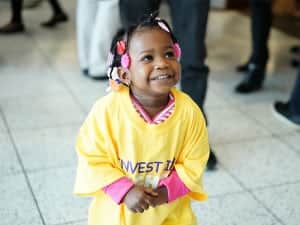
[
  {"x": 147, "y": 58},
  {"x": 170, "y": 54}
]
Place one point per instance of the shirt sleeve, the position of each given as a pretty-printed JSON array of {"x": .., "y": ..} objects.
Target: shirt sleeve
[
  {"x": 118, "y": 189},
  {"x": 175, "y": 187},
  {"x": 191, "y": 163},
  {"x": 96, "y": 160}
]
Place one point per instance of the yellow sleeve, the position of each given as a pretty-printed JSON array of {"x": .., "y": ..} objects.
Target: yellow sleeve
[
  {"x": 96, "y": 158},
  {"x": 192, "y": 160}
]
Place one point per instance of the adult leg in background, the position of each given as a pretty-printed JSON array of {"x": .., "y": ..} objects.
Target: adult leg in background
[
  {"x": 261, "y": 21},
  {"x": 295, "y": 97},
  {"x": 16, "y": 23},
  {"x": 190, "y": 29},
  {"x": 58, "y": 15},
  {"x": 131, "y": 11},
  {"x": 85, "y": 22},
  {"x": 107, "y": 22},
  {"x": 290, "y": 110}
]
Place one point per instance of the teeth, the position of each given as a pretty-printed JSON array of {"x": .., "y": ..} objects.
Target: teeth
[{"x": 162, "y": 77}]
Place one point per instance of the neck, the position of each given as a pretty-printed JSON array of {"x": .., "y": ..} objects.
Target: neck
[{"x": 152, "y": 104}]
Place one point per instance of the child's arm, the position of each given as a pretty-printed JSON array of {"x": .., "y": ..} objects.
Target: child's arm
[
  {"x": 174, "y": 186},
  {"x": 118, "y": 189},
  {"x": 191, "y": 162},
  {"x": 162, "y": 196},
  {"x": 169, "y": 190},
  {"x": 97, "y": 163}
]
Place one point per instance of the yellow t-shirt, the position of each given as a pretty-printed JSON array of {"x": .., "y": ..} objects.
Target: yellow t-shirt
[{"x": 115, "y": 141}]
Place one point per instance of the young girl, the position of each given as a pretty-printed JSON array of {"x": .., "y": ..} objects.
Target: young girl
[{"x": 143, "y": 148}]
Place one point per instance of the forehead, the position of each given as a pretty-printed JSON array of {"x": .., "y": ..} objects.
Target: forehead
[{"x": 149, "y": 38}]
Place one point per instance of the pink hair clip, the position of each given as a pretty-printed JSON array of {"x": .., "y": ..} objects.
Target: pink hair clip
[
  {"x": 125, "y": 61},
  {"x": 121, "y": 47},
  {"x": 177, "y": 51}
]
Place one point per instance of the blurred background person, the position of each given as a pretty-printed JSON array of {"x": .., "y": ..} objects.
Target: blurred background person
[
  {"x": 97, "y": 22},
  {"x": 290, "y": 110},
  {"x": 30, "y": 4},
  {"x": 16, "y": 23},
  {"x": 255, "y": 67}
]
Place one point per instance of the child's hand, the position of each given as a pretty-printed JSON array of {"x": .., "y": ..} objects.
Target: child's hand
[
  {"x": 138, "y": 199},
  {"x": 161, "y": 198}
]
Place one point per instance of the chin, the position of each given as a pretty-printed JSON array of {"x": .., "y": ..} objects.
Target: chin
[{"x": 164, "y": 90}]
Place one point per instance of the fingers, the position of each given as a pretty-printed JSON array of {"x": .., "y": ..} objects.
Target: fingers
[
  {"x": 139, "y": 199},
  {"x": 139, "y": 210},
  {"x": 153, "y": 202},
  {"x": 141, "y": 207},
  {"x": 151, "y": 196},
  {"x": 151, "y": 192}
]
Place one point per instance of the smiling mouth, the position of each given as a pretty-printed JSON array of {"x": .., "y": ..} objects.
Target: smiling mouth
[{"x": 163, "y": 77}]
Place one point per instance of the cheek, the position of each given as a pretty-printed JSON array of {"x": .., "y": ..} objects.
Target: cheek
[
  {"x": 138, "y": 75},
  {"x": 177, "y": 68},
  {"x": 142, "y": 71}
]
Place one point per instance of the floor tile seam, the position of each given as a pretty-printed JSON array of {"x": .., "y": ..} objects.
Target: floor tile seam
[
  {"x": 251, "y": 189},
  {"x": 12, "y": 174},
  {"x": 71, "y": 222},
  {"x": 273, "y": 186},
  {"x": 19, "y": 158},
  {"x": 279, "y": 220},
  {"x": 55, "y": 93},
  {"x": 247, "y": 190},
  {"x": 226, "y": 194},
  {"x": 286, "y": 133},
  {"x": 240, "y": 141},
  {"x": 252, "y": 119},
  {"x": 220, "y": 165},
  {"x": 277, "y": 137},
  {"x": 257, "y": 122},
  {"x": 69, "y": 90},
  {"x": 273, "y": 134},
  {"x": 5, "y": 131},
  {"x": 291, "y": 147},
  {"x": 59, "y": 125},
  {"x": 245, "y": 112},
  {"x": 39, "y": 170},
  {"x": 60, "y": 77},
  {"x": 214, "y": 108}
]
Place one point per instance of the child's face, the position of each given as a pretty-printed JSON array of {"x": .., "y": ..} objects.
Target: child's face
[{"x": 154, "y": 69}]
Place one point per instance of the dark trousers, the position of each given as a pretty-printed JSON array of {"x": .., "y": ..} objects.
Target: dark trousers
[
  {"x": 295, "y": 97},
  {"x": 189, "y": 19},
  {"x": 56, "y": 8},
  {"x": 16, "y": 8},
  {"x": 261, "y": 22}
]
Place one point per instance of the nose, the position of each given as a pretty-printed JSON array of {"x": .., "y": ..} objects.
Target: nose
[{"x": 161, "y": 63}]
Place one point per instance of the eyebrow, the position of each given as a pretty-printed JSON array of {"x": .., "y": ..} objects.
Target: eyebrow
[{"x": 151, "y": 49}]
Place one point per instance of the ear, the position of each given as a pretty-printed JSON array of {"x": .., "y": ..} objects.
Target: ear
[{"x": 124, "y": 75}]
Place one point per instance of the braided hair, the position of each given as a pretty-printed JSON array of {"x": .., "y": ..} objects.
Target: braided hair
[{"x": 119, "y": 57}]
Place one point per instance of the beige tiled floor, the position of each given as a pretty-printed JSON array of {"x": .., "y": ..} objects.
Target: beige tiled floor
[{"x": 44, "y": 98}]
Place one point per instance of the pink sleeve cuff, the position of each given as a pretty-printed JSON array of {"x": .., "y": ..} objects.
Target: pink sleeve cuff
[
  {"x": 118, "y": 189},
  {"x": 175, "y": 187}
]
